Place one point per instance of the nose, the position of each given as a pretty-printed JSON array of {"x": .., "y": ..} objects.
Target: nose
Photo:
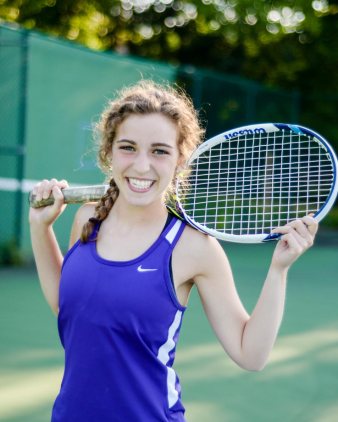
[{"x": 142, "y": 163}]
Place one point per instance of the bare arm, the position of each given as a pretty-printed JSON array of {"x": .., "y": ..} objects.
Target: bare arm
[
  {"x": 298, "y": 236},
  {"x": 249, "y": 339},
  {"x": 261, "y": 329},
  {"x": 47, "y": 254},
  {"x": 48, "y": 259},
  {"x": 82, "y": 216}
]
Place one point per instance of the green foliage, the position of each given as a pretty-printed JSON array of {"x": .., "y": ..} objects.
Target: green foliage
[
  {"x": 279, "y": 42},
  {"x": 10, "y": 254}
]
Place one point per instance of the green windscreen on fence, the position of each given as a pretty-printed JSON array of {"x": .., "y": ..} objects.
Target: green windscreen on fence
[
  {"x": 12, "y": 63},
  {"x": 67, "y": 88},
  {"x": 53, "y": 91}
]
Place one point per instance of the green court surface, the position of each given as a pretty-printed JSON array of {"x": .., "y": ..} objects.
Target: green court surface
[{"x": 299, "y": 384}]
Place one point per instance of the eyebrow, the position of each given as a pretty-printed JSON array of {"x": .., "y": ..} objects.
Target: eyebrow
[{"x": 155, "y": 144}]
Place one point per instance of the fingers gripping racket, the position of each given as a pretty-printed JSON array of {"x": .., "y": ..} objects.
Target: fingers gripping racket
[
  {"x": 247, "y": 181},
  {"x": 73, "y": 195}
]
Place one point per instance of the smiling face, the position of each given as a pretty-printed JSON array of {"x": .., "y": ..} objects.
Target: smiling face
[{"x": 145, "y": 156}]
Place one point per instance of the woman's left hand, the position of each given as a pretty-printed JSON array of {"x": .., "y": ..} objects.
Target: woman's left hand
[{"x": 297, "y": 237}]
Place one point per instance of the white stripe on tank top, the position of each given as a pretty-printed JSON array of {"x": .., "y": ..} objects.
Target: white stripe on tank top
[
  {"x": 173, "y": 232},
  {"x": 163, "y": 356}
]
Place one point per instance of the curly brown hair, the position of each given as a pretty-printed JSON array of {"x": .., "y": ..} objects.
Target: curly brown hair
[{"x": 144, "y": 97}]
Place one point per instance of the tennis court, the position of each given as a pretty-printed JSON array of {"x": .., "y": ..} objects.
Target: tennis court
[{"x": 299, "y": 384}]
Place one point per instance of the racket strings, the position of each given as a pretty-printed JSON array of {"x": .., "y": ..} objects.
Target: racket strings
[
  {"x": 296, "y": 176},
  {"x": 302, "y": 166},
  {"x": 253, "y": 183}
]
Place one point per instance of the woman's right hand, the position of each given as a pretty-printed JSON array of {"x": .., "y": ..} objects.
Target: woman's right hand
[{"x": 47, "y": 215}]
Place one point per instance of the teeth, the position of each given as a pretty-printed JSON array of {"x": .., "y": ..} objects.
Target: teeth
[{"x": 140, "y": 184}]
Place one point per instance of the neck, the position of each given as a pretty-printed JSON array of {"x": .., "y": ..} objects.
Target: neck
[{"x": 128, "y": 215}]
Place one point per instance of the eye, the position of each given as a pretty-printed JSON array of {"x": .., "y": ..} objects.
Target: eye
[
  {"x": 127, "y": 148},
  {"x": 160, "y": 151}
]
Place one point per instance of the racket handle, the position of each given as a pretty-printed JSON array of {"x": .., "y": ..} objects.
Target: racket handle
[{"x": 74, "y": 195}]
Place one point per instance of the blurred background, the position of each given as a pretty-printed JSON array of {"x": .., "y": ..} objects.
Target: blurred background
[{"x": 242, "y": 62}]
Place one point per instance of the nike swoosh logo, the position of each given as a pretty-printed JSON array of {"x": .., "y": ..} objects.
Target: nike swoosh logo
[{"x": 145, "y": 270}]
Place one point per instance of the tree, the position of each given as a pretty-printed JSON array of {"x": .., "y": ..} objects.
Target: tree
[{"x": 279, "y": 42}]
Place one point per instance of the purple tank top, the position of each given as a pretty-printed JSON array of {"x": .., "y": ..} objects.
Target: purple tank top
[{"x": 119, "y": 324}]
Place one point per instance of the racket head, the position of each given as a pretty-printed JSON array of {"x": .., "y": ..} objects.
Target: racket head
[{"x": 246, "y": 181}]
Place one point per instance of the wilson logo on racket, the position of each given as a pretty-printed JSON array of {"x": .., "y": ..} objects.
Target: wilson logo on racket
[{"x": 244, "y": 131}]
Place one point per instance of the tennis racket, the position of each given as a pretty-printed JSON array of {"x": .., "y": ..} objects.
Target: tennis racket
[{"x": 245, "y": 182}]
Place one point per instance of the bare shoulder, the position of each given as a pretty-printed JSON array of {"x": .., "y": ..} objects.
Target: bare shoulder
[
  {"x": 201, "y": 253},
  {"x": 82, "y": 215},
  {"x": 198, "y": 244},
  {"x": 85, "y": 212}
]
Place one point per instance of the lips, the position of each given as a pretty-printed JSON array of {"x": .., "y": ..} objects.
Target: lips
[{"x": 140, "y": 185}]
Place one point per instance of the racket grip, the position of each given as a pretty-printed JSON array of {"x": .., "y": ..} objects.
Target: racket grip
[{"x": 74, "y": 195}]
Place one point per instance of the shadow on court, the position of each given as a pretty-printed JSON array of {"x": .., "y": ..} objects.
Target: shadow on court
[{"x": 299, "y": 384}]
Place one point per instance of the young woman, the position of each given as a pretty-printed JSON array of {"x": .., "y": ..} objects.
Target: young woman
[{"x": 121, "y": 290}]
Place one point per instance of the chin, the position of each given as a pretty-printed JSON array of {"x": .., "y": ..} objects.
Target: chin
[
  {"x": 143, "y": 199},
  {"x": 141, "y": 202}
]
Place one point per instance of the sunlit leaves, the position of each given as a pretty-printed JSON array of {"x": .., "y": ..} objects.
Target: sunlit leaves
[{"x": 228, "y": 35}]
